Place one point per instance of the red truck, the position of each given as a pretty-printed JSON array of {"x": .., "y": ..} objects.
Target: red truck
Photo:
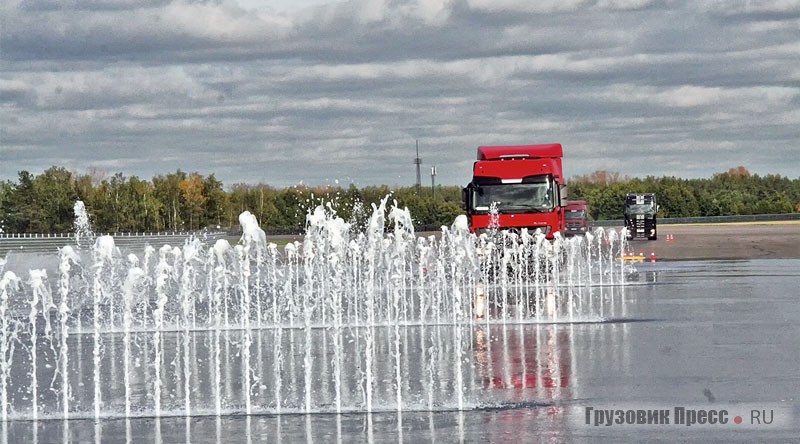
[
  {"x": 520, "y": 186},
  {"x": 577, "y": 217}
]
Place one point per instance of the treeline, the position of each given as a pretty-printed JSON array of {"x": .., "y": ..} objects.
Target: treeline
[
  {"x": 190, "y": 201},
  {"x": 735, "y": 192}
]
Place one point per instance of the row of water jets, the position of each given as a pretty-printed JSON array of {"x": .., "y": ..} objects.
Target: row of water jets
[{"x": 346, "y": 320}]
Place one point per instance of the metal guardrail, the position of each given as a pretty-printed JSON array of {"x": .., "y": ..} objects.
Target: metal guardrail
[
  {"x": 115, "y": 235},
  {"x": 47, "y": 243},
  {"x": 708, "y": 219}
]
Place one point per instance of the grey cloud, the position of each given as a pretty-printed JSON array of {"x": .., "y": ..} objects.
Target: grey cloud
[
  {"x": 148, "y": 32},
  {"x": 89, "y": 5},
  {"x": 744, "y": 10},
  {"x": 342, "y": 92}
]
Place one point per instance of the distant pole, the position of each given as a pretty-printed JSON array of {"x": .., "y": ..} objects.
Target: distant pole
[
  {"x": 433, "y": 181},
  {"x": 418, "y": 162}
]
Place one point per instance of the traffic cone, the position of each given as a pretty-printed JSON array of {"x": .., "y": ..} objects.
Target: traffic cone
[{"x": 652, "y": 255}]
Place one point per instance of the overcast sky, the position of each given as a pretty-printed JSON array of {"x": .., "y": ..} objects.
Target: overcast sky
[{"x": 321, "y": 92}]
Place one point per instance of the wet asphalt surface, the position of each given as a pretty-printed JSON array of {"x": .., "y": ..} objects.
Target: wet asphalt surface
[{"x": 706, "y": 336}]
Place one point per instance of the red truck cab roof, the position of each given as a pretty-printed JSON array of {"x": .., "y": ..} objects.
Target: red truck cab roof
[
  {"x": 519, "y": 161},
  {"x": 576, "y": 204},
  {"x": 546, "y": 150}
]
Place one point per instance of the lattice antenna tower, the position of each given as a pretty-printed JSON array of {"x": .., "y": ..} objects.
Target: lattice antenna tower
[{"x": 418, "y": 163}]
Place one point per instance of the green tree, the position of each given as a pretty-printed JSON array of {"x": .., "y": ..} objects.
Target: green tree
[
  {"x": 677, "y": 200},
  {"x": 110, "y": 207},
  {"x": 168, "y": 191},
  {"x": 7, "y": 193},
  {"x": 18, "y": 209},
  {"x": 217, "y": 203},
  {"x": 55, "y": 197}
]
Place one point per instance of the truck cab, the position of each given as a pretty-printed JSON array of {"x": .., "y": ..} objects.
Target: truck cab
[
  {"x": 640, "y": 216},
  {"x": 515, "y": 187},
  {"x": 576, "y": 217}
]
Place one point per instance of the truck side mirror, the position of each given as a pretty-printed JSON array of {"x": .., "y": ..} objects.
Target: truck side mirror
[
  {"x": 465, "y": 198},
  {"x": 562, "y": 192}
]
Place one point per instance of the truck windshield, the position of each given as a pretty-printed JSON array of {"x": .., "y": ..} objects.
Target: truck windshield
[
  {"x": 579, "y": 214},
  {"x": 640, "y": 208},
  {"x": 517, "y": 197}
]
